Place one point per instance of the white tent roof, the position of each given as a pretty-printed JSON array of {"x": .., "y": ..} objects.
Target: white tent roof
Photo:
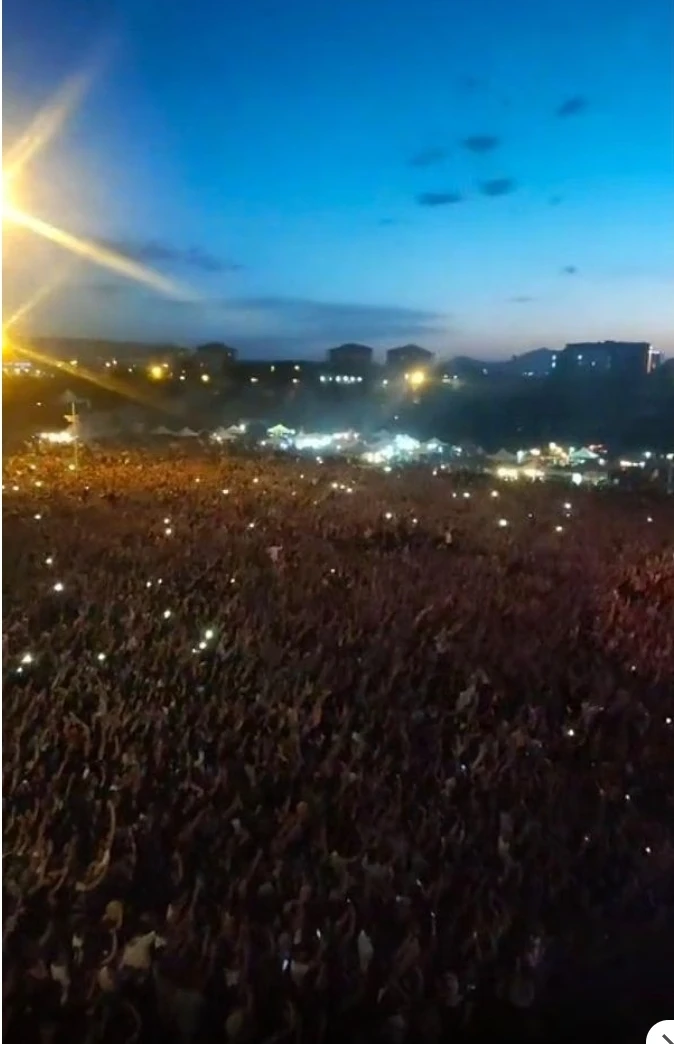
[
  {"x": 161, "y": 430},
  {"x": 187, "y": 433},
  {"x": 503, "y": 456},
  {"x": 584, "y": 454}
]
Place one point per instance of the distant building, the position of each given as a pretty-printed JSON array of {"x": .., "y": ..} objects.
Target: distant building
[
  {"x": 409, "y": 357},
  {"x": 541, "y": 362},
  {"x": 350, "y": 358},
  {"x": 214, "y": 357},
  {"x": 624, "y": 358}
]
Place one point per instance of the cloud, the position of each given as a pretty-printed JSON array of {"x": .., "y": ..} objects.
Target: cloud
[
  {"x": 429, "y": 157},
  {"x": 569, "y": 270},
  {"x": 263, "y": 326},
  {"x": 481, "y": 143},
  {"x": 155, "y": 252},
  {"x": 498, "y": 187},
  {"x": 345, "y": 321},
  {"x": 522, "y": 300},
  {"x": 572, "y": 106},
  {"x": 438, "y": 199}
]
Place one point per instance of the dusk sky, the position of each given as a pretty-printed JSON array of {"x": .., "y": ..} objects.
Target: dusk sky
[{"x": 480, "y": 178}]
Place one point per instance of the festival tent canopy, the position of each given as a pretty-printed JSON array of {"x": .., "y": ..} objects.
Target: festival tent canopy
[
  {"x": 280, "y": 431},
  {"x": 504, "y": 457},
  {"x": 226, "y": 434},
  {"x": 584, "y": 454}
]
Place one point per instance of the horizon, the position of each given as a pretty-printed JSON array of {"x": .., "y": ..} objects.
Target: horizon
[
  {"x": 362, "y": 173},
  {"x": 379, "y": 354}
]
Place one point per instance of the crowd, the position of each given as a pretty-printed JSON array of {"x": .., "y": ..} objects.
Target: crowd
[{"x": 301, "y": 751}]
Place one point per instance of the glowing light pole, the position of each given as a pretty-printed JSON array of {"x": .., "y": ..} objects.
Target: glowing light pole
[{"x": 416, "y": 378}]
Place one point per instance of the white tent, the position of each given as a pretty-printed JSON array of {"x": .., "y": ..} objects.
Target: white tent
[
  {"x": 504, "y": 457},
  {"x": 187, "y": 433},
  {"x": 225, "y": 435},
  {"x": 161, "y": 430},
  {"x": 583, "y": 454}
]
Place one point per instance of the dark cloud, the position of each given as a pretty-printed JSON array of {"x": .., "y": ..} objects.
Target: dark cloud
[
  {"x": 344, "y": 321},
  {"x": 438, "y": 199},
  {"x": 569, "y": 270},
  {"x": 259, "y": 326},
  {"x": 498, "y": 187},
  {"x": 429, "y": 157},
  {"x": 523, "y": 299},
  {"x": 155, "y": 252},
  {"x": 572, "y": 106},
  {"x": 481, "y": 143}
]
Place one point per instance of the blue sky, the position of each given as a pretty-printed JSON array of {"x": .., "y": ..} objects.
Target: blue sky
[{"x": 480, "y": 177}]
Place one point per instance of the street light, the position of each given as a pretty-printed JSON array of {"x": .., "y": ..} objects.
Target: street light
[
  {"x": 156, "y": 372},
  {"x": 416, "y": 378}
]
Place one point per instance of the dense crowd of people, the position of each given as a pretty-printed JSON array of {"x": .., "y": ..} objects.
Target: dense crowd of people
[{"x": 301, "y": 751}]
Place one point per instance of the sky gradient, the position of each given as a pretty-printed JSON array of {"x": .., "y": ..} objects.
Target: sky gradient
[{"x": 479, "y": 178}]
